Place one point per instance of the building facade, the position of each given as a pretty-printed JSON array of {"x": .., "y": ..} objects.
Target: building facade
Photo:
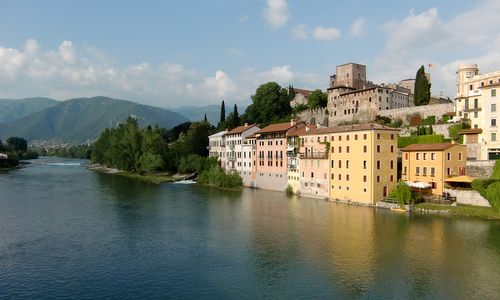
[
  {"x": 476, "y": 101},
  {"x": 433, "y": 163},
  {"x": 238, "y": 154},
  {"x": 217, "y": 147}
]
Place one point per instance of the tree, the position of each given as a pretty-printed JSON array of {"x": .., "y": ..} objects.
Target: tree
[
  {"x": 422, "y": 88},
  {"x": 222, "y": 121},
  {"x": 233, "y": 119},
  {"x": 317, "y": 99},
  {"x": 205, "y": 118},
  {"x": 1, "y": 146},
  {"x": 270, "y": 104},
  {"x": 403, "y": 193},
  {"x": 17, "y": 144}
]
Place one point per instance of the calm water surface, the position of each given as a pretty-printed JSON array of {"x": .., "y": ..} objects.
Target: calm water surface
[{"x": 66, "y": 232}]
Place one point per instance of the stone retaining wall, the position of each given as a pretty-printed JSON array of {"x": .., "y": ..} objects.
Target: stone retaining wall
[
  {"x": 424, "y": 111},
  {"x": 468, "y": 197},
  {"x": 479, "y": 168}
]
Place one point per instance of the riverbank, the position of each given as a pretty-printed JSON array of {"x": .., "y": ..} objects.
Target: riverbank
[
  {"x": 152, "y": 178},
  {"x": 488, "y": 213}
]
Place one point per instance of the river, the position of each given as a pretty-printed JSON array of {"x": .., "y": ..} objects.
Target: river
[{"x": 66, "y": 232}]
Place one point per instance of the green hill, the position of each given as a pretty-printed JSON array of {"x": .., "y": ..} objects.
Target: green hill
[
  {"x": 76, "y": 120},
  {"x": 11, "y": 110},
  {"x": 197, "y": 113}
]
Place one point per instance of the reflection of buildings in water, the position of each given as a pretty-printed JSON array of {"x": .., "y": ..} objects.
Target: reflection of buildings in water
[{"x": 351, "y": 239}]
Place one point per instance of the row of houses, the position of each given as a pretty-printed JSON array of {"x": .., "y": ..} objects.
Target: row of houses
[{"x": 357, "y": 163}]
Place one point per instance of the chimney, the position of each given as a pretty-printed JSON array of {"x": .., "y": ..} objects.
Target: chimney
[
  {"x": 246, "y": 124},
  {"x": 292, "y": 122},
  {"x": 307, "y": 128}
]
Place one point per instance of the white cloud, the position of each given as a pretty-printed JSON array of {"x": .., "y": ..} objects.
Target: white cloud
[
  {"x": 358, "y": 27},
  {"x": 235, "y": 51},
  {"x": 423, "y": 38},
  {"x": 71, "y": 71},
  {"x": 326, "y": 34},
  {"x": 276, "y": 13},
  {"x": 300, "y": 32}
]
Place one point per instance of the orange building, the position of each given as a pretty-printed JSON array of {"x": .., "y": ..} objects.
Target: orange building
[{"x": 433, "y": 163}]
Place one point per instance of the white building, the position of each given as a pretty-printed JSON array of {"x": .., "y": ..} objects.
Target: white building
[
  {"x": 3, "y": 156},
  {"x": 217, "y": 147},
  {"x": 239, "y": 156}
]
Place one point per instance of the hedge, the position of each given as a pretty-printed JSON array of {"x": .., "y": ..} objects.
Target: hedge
[{"x": 404, "y": 141}]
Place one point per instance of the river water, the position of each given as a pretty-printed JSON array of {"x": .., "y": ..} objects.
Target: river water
[{"x": 66, "y": 232}]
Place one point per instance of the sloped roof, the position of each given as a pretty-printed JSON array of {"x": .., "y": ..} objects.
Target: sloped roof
[
  {"x": 302, "y": 91},
  {"x": 470, "y": 131},
  {"x": 279, "y": 127},
  {"x": 240, "y": 129},
  {"x": 428, "y": 147},
  {"x": 218, "y": 134},
  {"x": 300, "y": 131}
]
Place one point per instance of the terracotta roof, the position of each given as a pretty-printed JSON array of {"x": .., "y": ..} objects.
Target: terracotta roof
[
  {"x": 240, "y": 129},
  {"x": 302, "y": 91},
  {"x": 300, "y": 131},
  {"x": 349, "y": 128},
  {"x": 470, "y": 131},
  {"x": 450, "y": 113},
  {"x": 428, "y": 147},
  {"x": 280, "y": 127}
]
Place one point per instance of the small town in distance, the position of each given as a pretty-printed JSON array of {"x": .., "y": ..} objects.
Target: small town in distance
[{"x": 348, "y": 150}]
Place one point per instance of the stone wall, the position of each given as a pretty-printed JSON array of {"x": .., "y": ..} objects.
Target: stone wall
[
  {"x": 315, "y": 116},
  {"x": 424, "y": 111},
  {"x": 468, "y": 197},
  {"x": 473, "y": 151},
  {"x": 479, "y": 168},
  {"x": 438, "y": 129}
]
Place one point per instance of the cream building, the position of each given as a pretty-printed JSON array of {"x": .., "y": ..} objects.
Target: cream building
[
  {"x": 476, "y": 101},
  {"x": 238, "y": 154},
  {"x": 217, "y": 147}
]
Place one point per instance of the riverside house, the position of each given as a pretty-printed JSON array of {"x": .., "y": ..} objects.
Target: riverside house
[
  {"x": 271, "y": 148},
  {"x": 433, "y": 163},
  {"x": 363, "y": 162},
  {"x": 237, "y": 155},
  {"x": 217, "y": 147}
]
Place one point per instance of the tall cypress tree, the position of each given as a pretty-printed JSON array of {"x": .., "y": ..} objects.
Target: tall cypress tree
[
  {"x": 236, "y": 117},
  {"x": 205, "y": 119},
  {"x": 222, "y": 120},
  {"x": 422, "y": 88}
]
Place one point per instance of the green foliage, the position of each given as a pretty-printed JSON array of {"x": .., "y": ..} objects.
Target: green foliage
[
  {"x": 289, "y": 190},
  {"x": 481, "y": 185},
  {"x": 2, "y": 147},
  {"x": 493, "y": 195},
  {"x": 404, "y": 141},
  {"x": 430, "y": 120},
  {"x": 453, "y": 132},
  {"x": 403, "y": 193},
  {"x": 383, "y": 120},
  {"x": 150, "y": 163},
  {"x": 17, "y": 144},
  {"x": 233, "y": 119},
  {"x": 270, "y": 104},
  {"x": 216, "y": 176},
  {"x": 11, "y": 110},
  {"x": 397, "y": 123},
  {"x": 422, "y": 88},
  {"x": 196, "y": 164},
  {"x": 222, "y": 119},
  {"x": 78, "y": 151},
  {"x": 300, "y": 108},
  {"x": 414, "y": 119},
  {"x": 496, "y": 171},
  {"x": 317, "y": 99}
]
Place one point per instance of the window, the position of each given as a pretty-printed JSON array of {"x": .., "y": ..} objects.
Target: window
[
  {"x": 340, "y": 164},
  {"x": 417, "y": 157},
  {"x": 460, "y": 156},
  {"x": 424, "y": 171},
  {"x": 392, "y": 164},
  {"x": 347, "y": 137},
  {"x": 365, "y": 149},
  {"x": 493, "y": 93},
  {"x": 405, "y": 169},
  {"x": 417, "y": 171},
  {"x": 333, "y": 164},
  {"x": 448, "y": 156},
  {"x": 493, "y": 122},
  {"x": 466, "y": 103},
  {"x": 312, "y": 174},
  {"x": 364, "y": 164},
  {"x": 378, "y": 136},
  {"x": 493, "y": 107},
  {"x": 364, "y": 178},
  {"x": 475, "y": 115},
  {"x": 392, "y": 178},
  {"x": 392, "y": 148},
  {"x": 347, "y": 164},
  {"x": 433, "y": 156},
  {"x": 340, "y": 149},
  {"x": 378, "y": 179},
  {"x": 378, "y": 164},
  {"x": 378, "y": 148},
  {"x": 433, "y": 171},
  {"x": 493, "y": 136},
  {"x": 340, "y": 138},
  {"x": 406, "y": 156},
  {"x": 356, "y": 137},
  {"x": 364, "y": 136},
  {"x": 448, "y": 171},
  {"x": 340, "y": 176},
  {"x": 425, "y": 156},
  {"x": 347, "y": 149},
  {"x": 476, "y": 103},
  {"x": 347, "y": 177}
]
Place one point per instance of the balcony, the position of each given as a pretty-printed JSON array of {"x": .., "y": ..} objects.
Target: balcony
[
  {"x": 472, "y": 109},
  {"x": 292, "y": 166},
  {"x": 314, "y": 155},
  {"x": 231, "y": 158}
]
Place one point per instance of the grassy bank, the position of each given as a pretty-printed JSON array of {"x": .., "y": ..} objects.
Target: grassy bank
[
  {"x": 157, "y": 179},
  {"x": 464, "y": 210}
]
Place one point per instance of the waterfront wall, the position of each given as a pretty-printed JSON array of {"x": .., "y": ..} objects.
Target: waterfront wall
[
  {"x": 272, "y": 181},
  {"x": 468, "y": 197}
]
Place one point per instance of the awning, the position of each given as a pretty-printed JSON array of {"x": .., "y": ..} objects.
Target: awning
[
  {"x": 418, "y": 184},
  {"x": 464, "y": 178}
]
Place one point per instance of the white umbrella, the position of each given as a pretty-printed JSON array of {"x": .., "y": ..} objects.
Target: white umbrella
[{"x": 419, "y": 184}]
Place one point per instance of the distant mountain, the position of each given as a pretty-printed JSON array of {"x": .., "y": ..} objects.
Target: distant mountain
[
  {"x": 11, "y": 110},
  {"x": 197, "y": 113},
  {"x": 76, "y": 120}
]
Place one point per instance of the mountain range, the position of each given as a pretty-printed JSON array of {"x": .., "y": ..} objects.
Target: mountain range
[
  {"x": 197, "y": 113},
  {"x": 76, "y": 120}
]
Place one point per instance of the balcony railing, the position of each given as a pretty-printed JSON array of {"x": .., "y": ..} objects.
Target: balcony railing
[{"x": 314, "y": 155}]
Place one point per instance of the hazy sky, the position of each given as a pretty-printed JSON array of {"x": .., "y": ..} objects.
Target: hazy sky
[{"x": 184, "y": 52}]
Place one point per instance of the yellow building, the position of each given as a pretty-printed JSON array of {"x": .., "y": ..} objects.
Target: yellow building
[
  {"x": 363, "y": 162},
  {"x": 433, "y": 163}
]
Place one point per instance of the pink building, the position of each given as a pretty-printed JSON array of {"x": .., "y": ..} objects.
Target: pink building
[{"x": 271, "y": 160}]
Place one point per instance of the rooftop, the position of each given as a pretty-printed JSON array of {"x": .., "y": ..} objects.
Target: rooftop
[
  {"x": 428, "y": 147},
  {"x": 240, "y": 129},
  {"x": 302, "y": 91},
  {"x": 279, "y": 127},
  {"x": 470, "y": 131},
  {"x": 218, "y": 134}
]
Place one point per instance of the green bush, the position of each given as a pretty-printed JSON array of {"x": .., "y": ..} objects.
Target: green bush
[
  {"x": 496, "y": 170},
  {"x": 397, "y": 123},
  {"x": 493, "y": 195},
  {"x": 481, "y": 185},
  {"x": 430, "y": 120},
  {"x": 403, "y": 193},
  {"x": 404, "y": 141},
  {"x": 216, "y": 176},
  {"x": 196, "y": 164},
  {"x": 289, "y": 190}
]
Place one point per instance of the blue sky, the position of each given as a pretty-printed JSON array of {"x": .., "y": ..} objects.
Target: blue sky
[{"x": 174, "y": 53}]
